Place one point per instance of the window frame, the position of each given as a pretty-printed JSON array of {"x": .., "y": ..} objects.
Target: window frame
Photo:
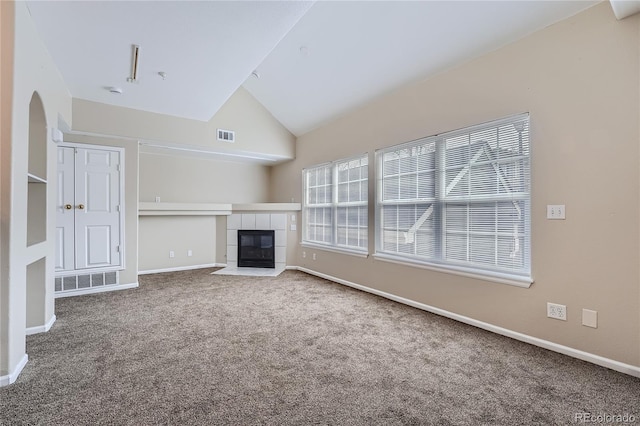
[
  {"x": 335, "y": 204},
  {"x": 440, "y": 201}
]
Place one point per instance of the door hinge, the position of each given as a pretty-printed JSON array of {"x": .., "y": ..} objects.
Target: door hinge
[
  {"x": 118, "y": 249},
  {"x": 118, "y": 208}
]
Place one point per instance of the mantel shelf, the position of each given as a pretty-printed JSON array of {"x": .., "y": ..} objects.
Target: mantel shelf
[
  {"x": 267, "y": 207},
  {"x": 210, "y": 209},
  {"x": 183, "y": 209}
]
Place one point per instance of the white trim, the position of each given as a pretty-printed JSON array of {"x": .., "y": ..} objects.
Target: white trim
[
  {"x": 449, "y": 269},
  {"x": 87, "y": 271},
  {"x": 335, "y": 249},
  {"x": 629, "y": 369},
  {"x": 13, "y": 376},
  {"x": 41, "y": 328},
  {"x": 182, "y": 268},
  {"x": 92, "y": 290},
  {"x": 267, "y": 207}
]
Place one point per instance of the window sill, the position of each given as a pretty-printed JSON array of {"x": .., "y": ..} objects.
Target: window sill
[
  {"x": 497, "y": 278},
  {"x": 335, "y": 249}
]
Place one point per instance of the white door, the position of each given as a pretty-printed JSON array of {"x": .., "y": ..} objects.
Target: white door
[
  {"x": 88, "y": 221},
  {"x": 97, "y": 208},
  {"x": 65, "y": 210}
]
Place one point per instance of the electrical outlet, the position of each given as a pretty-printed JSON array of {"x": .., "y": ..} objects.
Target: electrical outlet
[
  {"x": 555, "y": 212},
  {"x": 304, "y": 254},
  {"x": 189, "y": 253},
  {"x": 172, "y": 253},
  {"x": 314, "y": 256},
  {"x": 157, "y": 199},
  {"x": 557, "y": 311}
]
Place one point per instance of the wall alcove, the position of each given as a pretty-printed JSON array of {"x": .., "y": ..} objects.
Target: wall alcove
[{"x": 36, "y": 213}]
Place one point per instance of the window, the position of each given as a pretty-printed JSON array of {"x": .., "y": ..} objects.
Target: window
[
  {"x": 459, "y": 200},
  {"x": 335, "y": 204}
]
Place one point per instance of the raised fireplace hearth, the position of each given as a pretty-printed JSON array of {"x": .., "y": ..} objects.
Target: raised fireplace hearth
[{"x": 256, "y": 248}]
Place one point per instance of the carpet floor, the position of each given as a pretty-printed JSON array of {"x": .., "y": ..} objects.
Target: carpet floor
[{"x": 199, "y": 349}]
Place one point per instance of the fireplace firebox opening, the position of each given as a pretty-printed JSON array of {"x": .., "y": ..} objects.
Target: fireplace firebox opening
[{"x": 256, "y": 248}]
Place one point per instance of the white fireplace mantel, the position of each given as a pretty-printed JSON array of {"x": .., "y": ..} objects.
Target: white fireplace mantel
[
  {"x": 211, "y": 209},
  {"x": 266, "y": 207}
]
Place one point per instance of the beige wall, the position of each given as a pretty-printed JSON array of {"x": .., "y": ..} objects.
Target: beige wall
[
  {"x": 33, "y": 71},
  {"x": 182, "y": 179},
  {"x": 188, "y": 179},
  {"x": 161, "y": 234},
  {"x": 257, "y": 131},
  {"x": 130, "y": 274},
  {"x": 579, "y": 79}
]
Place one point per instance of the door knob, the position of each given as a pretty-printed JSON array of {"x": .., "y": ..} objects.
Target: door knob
[
  {"x": 68, "y": 206},
  {"x": 81, "y": 206}
]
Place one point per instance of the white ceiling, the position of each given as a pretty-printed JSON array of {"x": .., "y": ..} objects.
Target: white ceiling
[
  {"x": 357, "y": 51},
  {"x": 207, "y": 48},
  {"x": 315, "y": 61}
]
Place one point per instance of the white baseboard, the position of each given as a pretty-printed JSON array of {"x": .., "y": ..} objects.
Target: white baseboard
[
  {"x": 13, "y": 376},
  {"x": 93, "y": 290},
  {"x": 41, "y": 328},
  {"x": 632, "y": 370},
  {"x": 182, "y": 268}
]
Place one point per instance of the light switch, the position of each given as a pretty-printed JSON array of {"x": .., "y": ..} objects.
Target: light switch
[
  {"x": 590, "y": 318},
  {"x": 555, "y": 211}
]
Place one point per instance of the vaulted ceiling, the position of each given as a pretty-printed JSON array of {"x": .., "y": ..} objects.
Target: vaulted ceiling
[{"x": 312, "y": 61}]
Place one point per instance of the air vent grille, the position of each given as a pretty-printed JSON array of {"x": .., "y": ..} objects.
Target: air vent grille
[
  {"x": 85, "y": 281},
  {"x": 226, "y": 135}
]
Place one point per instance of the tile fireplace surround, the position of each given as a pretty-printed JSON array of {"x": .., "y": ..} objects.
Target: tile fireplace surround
[{"x": 264, "y": 221}]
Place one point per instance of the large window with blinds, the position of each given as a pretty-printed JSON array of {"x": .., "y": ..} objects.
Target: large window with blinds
[
  {"x": 459, "y": 200},
  {"x": 335, "y": 204}
]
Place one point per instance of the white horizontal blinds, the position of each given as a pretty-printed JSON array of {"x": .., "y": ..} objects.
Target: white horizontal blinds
[
  {"x": 318, "y": 198},
  {"x": 336, "y": 204},
  {"x": 486, "y": 196},
  {"x": 460, "y": 198},
  {"x": 352, "y": 195},
  {"x": 408, "y": 197}
]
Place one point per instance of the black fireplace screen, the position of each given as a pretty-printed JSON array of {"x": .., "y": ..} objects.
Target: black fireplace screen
[{"x": 256, "y": 248}]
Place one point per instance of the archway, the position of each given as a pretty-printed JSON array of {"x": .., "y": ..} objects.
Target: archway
[{"x": 36, "y": 212}]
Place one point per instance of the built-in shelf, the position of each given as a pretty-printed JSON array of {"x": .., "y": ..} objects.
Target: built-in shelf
[
  {"x": 35, "y": 179},
  {"x": 183, "y": 209},
  {"x": 36, "y": 252},
  {"x": 267, "y": 207},
  {"x": 210, "y": 209}
]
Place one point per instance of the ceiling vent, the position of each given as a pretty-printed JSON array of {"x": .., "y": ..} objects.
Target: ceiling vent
[{"x": 226, "y": 135}]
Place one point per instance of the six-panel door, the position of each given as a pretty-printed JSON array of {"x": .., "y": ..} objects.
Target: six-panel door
[{"x": 88, "y": 233}]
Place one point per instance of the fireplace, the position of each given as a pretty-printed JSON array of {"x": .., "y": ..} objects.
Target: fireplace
[{"x": 256, "y": 248}]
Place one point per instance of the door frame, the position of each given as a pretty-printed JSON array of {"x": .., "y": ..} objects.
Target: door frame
[{"x": 121, "y": 151}]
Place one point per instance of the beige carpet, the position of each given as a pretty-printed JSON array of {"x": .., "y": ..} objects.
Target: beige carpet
[{"x": 199, "y": 349}]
